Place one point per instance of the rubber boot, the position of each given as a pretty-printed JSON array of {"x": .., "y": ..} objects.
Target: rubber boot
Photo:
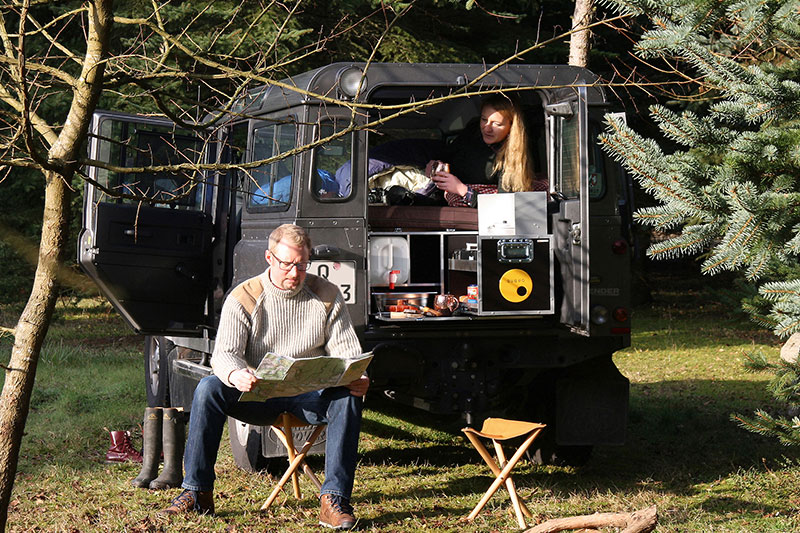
[
  {"x": 174, "y": 435},
  {"x": 151, "y": 447}
]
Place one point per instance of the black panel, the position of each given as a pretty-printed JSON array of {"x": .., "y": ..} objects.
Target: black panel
[
  {"x": 153, "y": 264},
  {"x": 492, "y": 269}
]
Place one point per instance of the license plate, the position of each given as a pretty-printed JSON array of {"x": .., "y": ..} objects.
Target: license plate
[{"x": 340, "y": 273}]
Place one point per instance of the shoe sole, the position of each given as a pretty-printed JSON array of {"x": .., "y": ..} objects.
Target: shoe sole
[{"x": 338, "y": 528}]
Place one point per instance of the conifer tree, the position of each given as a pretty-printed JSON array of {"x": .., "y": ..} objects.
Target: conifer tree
[{"x": 729, "y": 186}]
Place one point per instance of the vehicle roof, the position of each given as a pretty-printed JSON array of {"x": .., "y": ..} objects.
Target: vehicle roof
[{"x": 406, "y": 76}]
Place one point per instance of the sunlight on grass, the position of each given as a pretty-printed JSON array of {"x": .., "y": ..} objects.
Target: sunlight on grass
[{"x": 416, "y": 471}]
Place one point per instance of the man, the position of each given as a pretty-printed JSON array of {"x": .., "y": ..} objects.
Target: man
[{"x": 288, "y": 312}]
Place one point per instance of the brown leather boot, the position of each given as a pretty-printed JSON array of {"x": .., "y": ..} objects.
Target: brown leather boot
[
  {"x": 121, "y": 449},
  {"x": 336, "y": 512},
  {"x": 190, "y": 501}
]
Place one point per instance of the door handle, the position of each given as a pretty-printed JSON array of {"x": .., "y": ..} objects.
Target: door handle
[
  {"x": 131, "y": 232},
  {"x": 325, "y": 251},
  {"x": 185, "y": 272}
]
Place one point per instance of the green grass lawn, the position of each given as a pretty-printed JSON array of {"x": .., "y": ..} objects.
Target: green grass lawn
[{"x": 683, "y": 453}]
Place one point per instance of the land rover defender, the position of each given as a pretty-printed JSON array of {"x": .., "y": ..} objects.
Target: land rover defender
[{"x": 539, "y": 280}]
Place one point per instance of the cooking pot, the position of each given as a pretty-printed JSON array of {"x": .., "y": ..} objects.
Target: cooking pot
[{"x": 417, "y": 299}]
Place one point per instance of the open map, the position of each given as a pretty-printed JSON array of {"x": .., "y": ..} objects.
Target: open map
[{"x": 283, "y": 376}]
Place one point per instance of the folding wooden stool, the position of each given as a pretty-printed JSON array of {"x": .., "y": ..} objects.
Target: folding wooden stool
[
  {"x": 499, "y": 429},
  {"x": 282, "y": 428}
]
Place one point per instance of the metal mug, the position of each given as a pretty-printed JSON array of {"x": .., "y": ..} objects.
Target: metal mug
[{"x": 445, "y": 302}]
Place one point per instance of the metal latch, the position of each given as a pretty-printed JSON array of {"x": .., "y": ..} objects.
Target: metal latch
[{"x": 576, "y": 233}]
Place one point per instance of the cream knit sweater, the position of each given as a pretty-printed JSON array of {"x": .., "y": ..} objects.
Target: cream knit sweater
[{"x": 257, "y": 317}]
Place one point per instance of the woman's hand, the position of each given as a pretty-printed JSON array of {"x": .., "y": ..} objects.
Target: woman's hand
[{"x": 449, "y": 183}]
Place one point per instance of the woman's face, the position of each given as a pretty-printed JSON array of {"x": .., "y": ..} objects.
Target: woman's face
[{"x": 494, "y": 125}]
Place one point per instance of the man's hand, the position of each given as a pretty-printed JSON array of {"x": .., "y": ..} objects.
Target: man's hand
[
  {"x": 243, "y": 379},
  {"x": 359, "y": 387}
]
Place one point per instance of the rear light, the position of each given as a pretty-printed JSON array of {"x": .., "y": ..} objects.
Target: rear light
[
  {"x": 619, "y": 247},
  {"x": 621, "y": 314},
  {"x": 599, "y": 315}
]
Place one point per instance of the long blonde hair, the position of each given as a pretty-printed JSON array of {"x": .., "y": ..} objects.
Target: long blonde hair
[{"x": 513, "y": 158}]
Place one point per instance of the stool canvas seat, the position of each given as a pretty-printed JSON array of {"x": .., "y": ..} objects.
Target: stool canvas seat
[
  {"x": 497, "y": 430},
  {"x": 282, "y": 428}
]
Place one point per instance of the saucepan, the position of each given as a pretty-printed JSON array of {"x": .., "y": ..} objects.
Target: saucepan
[{"x": 397, "y": 300}]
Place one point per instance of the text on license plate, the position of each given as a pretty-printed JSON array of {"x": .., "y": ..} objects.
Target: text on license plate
[{"x": 340, "y": 273}]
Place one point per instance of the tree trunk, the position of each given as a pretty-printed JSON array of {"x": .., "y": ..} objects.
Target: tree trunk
[
  {"x": 29, "y": 336},
  {"x": 579, "y": 44},
  {"x": 34, "y": 322},
  {"x": 642, "y": 521}
]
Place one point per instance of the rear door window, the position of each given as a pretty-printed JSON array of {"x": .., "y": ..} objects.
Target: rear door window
[{"x": 131, "y": 145}]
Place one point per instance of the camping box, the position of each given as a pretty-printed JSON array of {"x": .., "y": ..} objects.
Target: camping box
[{"x": 515, "y": 255}]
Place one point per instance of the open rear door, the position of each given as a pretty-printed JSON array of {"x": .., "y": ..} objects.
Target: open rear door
[
  {"x": 567, "y": 119},
  {"x": 151, "y": 259}
]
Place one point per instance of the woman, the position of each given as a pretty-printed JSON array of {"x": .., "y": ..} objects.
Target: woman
[{"x": 494, "y": 158}]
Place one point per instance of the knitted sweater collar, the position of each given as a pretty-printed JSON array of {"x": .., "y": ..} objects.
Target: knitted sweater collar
[{"x": 272, "y": 290}]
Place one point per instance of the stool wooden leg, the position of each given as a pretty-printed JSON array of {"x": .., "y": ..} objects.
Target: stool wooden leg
[
  {"x": 312, "y": 476},
  {"x": 290, "y": 451},
  {"x": 306, "y": 469},
  {"x": 484, "y": 453},
  {"x": 504, "y": 473},
  {"x": 512, "y": 490},
  {"x": 296, "y": 462}
]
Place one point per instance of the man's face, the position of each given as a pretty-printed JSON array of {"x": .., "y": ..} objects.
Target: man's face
[{"x": 288, "y": 265}]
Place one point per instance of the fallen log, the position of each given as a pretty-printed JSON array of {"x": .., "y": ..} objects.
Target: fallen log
[{"x": 642, "y": 521}]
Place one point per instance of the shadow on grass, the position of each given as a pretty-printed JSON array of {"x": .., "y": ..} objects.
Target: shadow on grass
[
  {"x": 679, "y": 435},
  {"x": 737, "y": 506},
  {"x": 436, "y": 516}
]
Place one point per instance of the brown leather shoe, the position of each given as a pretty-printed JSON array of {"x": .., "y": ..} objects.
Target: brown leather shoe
[
  {"x": 190, "y": 501},
  {"x": 336, "y": 512}
]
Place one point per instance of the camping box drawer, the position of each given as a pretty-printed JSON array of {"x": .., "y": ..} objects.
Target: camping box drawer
[{"x": 515, "y": 275}]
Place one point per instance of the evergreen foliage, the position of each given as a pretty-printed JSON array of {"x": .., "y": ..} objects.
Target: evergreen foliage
[
  {"x": 730, "y": 186},
  {"x": 785, "y": 387}
]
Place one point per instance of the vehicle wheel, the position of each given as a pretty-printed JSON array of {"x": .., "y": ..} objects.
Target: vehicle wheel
[
  {"x": 544, "y": 451},
  {"x": 572, "y": 455},
  {"x": 156, "y": 370},
  {"x": 246, "y": 447}
]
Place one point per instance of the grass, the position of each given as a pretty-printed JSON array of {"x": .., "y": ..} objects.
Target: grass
[{"x": 683, "y": 454}]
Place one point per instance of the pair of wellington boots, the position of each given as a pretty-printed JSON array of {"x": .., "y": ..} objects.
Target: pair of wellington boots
[{"x": 164, "y": 430}]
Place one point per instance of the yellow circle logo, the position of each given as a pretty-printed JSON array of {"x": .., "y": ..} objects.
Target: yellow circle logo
[{"x": 516, "y": 285}]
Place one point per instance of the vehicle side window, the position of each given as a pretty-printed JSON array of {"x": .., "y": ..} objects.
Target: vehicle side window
[
  {"x": 597, "y": 175},
  {"x": 332, "y": 173},
  {"x": 271, "y": 183},
  {"x": 132, "y": 144},
  {"x": 570, "y": 176}
]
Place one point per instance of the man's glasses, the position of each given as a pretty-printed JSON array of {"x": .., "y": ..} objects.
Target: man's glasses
[{"x": 286, "y": 266}]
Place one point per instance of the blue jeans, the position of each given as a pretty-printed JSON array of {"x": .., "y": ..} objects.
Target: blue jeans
[{"x": 214, "y": 401}]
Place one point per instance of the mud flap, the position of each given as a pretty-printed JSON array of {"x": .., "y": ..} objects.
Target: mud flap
[{"x": 592, "y": 407}]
